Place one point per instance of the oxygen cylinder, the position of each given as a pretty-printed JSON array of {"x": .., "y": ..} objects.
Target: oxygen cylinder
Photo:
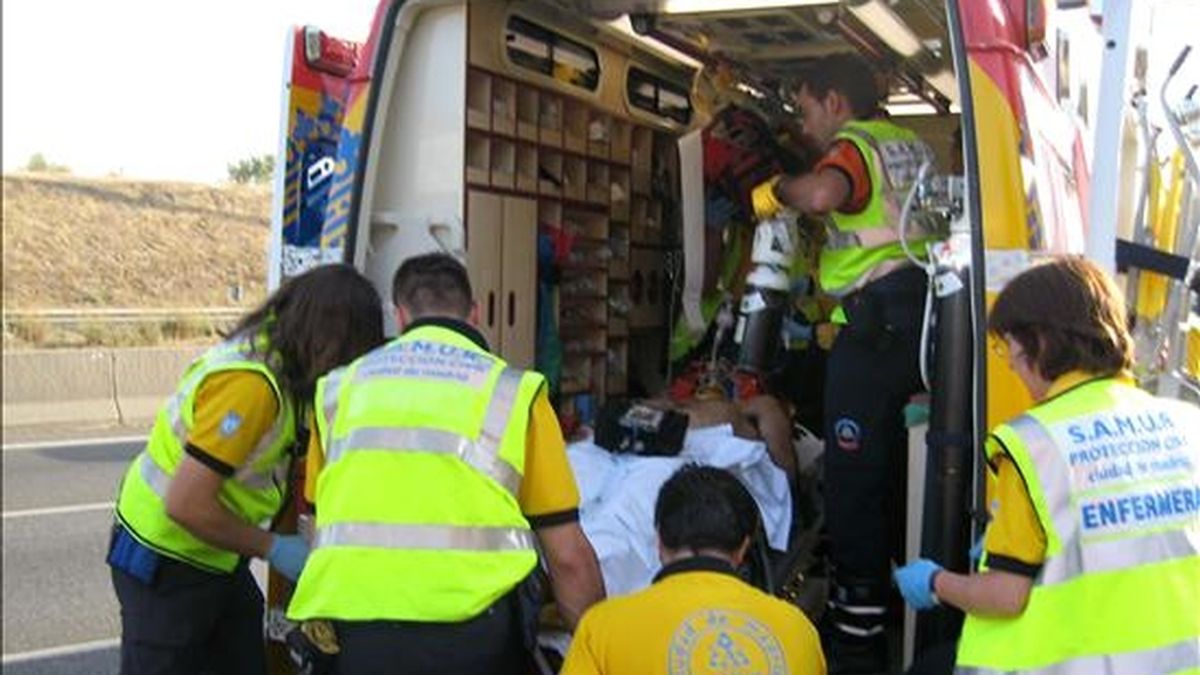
[{"x": 766, "y": 300}]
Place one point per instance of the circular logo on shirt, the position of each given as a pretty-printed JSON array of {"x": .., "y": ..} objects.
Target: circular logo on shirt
[
  {"x": 848, "y": 434},
  {"x": 725, "y": 642}
]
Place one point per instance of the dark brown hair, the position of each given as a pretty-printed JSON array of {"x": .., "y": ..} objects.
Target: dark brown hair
[
  {"x": 434, "y": 283},
  {"x": 315, "y": 322},
  {"x": 704, "y": 507},
  {"x": 848, "y": 75},
  {"x": 1066, "y": 314}
]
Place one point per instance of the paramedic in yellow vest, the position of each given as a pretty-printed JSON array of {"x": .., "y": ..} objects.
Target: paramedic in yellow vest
[
  {"x": 193, "y": 504},
  {"x": 436, "y": 469},
  {"x": 1090, "y": 560},
  {"x": 872, "y": 369},
  {"x": 698, "y": 616}
]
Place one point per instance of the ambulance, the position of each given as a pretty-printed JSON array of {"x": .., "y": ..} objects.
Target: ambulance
[{"x": 569, "y": 151}]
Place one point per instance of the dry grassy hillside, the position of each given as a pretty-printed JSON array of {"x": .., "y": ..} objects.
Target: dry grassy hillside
[{"x": 78, "y": 242}]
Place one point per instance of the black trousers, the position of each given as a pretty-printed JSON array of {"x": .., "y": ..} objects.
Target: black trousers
[
  {"x": 190, "y": 621},
  {"x": 489, "y": 643},
  {"x": 872, "y": 372}
]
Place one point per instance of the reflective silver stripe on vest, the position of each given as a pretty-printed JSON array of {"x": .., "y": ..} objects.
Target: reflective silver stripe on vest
[
  {"x": 1052, "y": 473},
  {"x": 1171, "y": 658},
  {"x": 475, "y": 454},
  {"x": 482, "y": 454},
  {"x": 160, "y": 480},
  {"x": 1077, "y": 558},
  {"x": 424, "y": 537},
  {"x": 872, "y": 237},
  {"x": 153, "y": 474},
  {"x": 1116, "y": 555},
  {"x": 333, "y": 385}
]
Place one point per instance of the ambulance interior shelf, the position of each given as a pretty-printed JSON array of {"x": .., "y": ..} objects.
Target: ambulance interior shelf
[{"x": 591, "y": 172}]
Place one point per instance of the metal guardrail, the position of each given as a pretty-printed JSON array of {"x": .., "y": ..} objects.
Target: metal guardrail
[{"x": 123, "y": 315}]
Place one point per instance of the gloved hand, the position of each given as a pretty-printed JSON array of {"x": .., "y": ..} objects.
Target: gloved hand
[
  {"x": 288, "y": 554},
  {"x": 763, "y": 198},
  {"x": 916, "y": 583},
  {"x": 795, "y": 330}
]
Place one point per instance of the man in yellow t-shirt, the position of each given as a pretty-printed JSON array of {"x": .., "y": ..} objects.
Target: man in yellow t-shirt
[{"x": 698, "y": 616}]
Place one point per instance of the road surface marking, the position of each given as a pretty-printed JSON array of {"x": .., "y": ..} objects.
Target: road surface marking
[
  {"x": 55, "y": 510},
  {"x": 63, "y": 650},
  {"x": 68, "y": 443}
]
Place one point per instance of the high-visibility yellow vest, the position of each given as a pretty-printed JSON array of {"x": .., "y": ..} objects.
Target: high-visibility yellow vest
[
  {"x": 417, "y": 517},
  {"x": 255, "y": 491},
  {"x": 864, "y": 246},
  {"x": 1114, "y": 477}
]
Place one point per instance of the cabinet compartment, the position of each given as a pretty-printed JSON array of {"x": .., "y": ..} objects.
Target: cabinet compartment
[
  {"x": 645, "y": 219},
  {"x": 502, "y": 262},
  {"x": 617, "y": 359},
  {"x": 622, "y": 141},
  {"x": 641, "y": 159},
  {"x": 518, "y": 277},
  {"x": 550, "y": 115},
  {"x": 479, "y": 97},
  {"x": 527, "y": 168},
  {"x": 575, "y": 126},
  {"x": 575, "y": 177},
  {"x": 647, "y": 288},
  {"x": 618, "y": 244},
  {"x": 504, "y": 107},
  {"x": 550, "y": 172},
  {"x": 504, "y": 163},
  {"x": 586, "y": 225},
  {"x": 527, "y": 113},
  {"x": 550, "y": 213},
  {"x": 597, "y": 182},
  {"x": 619, "y": 192},
  {"x": 485, "y": 230},
  {"x": 479, "y": 163},
  {"x": 599, "y": 132}
]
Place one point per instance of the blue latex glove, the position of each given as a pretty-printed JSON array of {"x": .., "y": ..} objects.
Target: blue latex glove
[
  {"x": 916, "y": 583},
  {"x": 288, "y": 554},
  {"x": 794, "y": 330}
]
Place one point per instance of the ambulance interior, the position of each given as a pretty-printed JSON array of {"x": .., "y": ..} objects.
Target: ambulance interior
[{"x": 593, "y": 168}]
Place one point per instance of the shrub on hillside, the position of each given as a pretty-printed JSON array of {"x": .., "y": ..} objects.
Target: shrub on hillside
[
  {"x": 252, "y": 170},
  {"x": 38, "y": 164}
]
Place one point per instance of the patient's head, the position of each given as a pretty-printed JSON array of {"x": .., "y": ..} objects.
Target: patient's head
[{"x": 702, "y": 510}]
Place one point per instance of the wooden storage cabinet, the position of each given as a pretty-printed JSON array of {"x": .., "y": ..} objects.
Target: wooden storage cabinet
[
  {"x": 536, "y": 156},
  {"x": 502, "y": 260}
]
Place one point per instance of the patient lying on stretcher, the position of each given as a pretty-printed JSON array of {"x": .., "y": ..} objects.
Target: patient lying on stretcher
[{"x": 750, "y": 438}]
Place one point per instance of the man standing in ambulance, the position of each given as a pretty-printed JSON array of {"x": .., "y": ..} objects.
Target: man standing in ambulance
[{"x": 860, "y": 184}]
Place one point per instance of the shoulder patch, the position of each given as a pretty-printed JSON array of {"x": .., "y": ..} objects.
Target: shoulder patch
[{"x": 230, "y": 424}]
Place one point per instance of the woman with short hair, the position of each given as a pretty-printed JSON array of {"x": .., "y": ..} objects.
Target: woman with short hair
[{"x": 1089, "y": 562}]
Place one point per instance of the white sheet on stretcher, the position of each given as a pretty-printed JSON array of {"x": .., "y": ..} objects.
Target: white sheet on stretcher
[{"x": 617, "y": 495}]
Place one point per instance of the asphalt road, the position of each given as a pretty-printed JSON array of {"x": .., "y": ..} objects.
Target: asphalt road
[{"x": 59, "y": 612}]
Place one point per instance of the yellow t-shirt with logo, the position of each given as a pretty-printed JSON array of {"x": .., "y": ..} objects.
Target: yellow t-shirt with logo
[
  {"x": 233, "y": 410},
  {"x": 696, "y": 618},
  {"x": 548, "y": 494}
]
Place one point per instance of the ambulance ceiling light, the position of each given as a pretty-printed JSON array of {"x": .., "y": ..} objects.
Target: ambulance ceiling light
[
  {"x": 945, "y": 83},
  {"x": 884, "y": 22},
  {"x": 701, "y": 6}
]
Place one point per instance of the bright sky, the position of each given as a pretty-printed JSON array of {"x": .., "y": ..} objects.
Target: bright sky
[
  {"x": 177, "y": 90},
  {"x": 152, "y": 88}
]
